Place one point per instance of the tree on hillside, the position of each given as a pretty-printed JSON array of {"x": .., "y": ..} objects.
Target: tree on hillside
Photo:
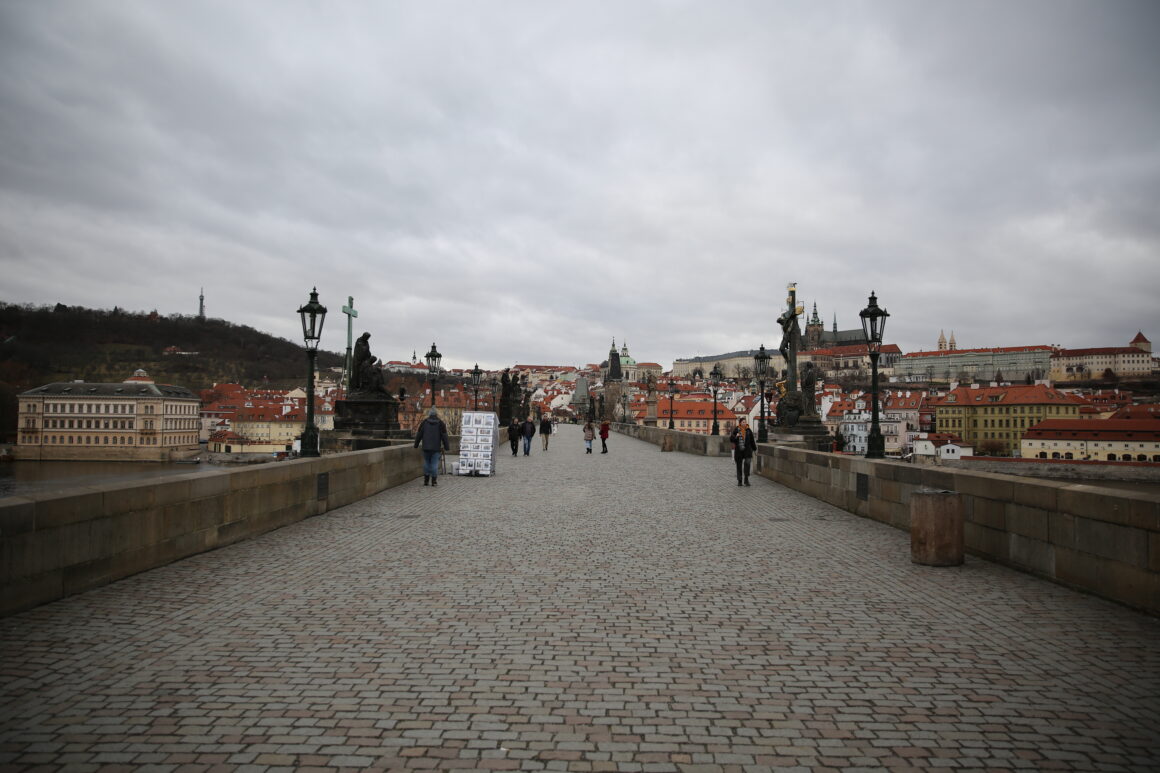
[{"x": 991, "y": 447}]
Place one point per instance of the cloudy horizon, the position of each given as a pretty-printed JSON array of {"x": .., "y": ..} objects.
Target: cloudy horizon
[{"x": 525, "y": 182}]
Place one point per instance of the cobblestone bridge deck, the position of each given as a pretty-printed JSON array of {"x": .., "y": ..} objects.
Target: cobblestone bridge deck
[{"x": 635, "y": 611}]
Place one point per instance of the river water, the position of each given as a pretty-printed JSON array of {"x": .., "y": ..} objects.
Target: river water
[{"x": 26, "y": 477}]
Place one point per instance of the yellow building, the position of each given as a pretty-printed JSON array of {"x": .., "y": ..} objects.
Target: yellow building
[
  {"x": 266, "y": 430},
  {"x": 996, "y": 418},
  {"x": 136, "y": 420}
]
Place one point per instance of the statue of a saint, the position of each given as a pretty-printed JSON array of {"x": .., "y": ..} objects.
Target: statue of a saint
[
  {"x": 789, "y": 409},
  {"x": 362, "y": 353},
  {"x": 371, "y": 378},
  {"x": 791, "y": 336},
  {"x": 809, "y": 382}
]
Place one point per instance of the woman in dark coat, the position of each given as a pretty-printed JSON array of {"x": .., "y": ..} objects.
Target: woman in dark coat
[{"x": 744, "y": 446}]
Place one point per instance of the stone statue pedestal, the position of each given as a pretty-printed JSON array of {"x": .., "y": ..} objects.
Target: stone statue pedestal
[
  {"x": 364, "y": 420},
  {"x": 367, "y": 416},
  {"x": 808, "y": 432},
  {"x": 650, "y": 410}
]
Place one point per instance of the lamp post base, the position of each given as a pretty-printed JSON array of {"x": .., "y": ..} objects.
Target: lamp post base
[{"x": 309, "y": 442}]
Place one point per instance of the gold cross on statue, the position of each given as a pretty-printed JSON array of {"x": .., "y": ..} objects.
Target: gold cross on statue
[{"x": 792, "y": 309}]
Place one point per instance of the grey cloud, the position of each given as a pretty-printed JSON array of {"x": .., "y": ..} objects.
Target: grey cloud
[{"x": 588, "y": 170}]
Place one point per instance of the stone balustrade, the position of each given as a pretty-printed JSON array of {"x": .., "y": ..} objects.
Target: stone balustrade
[
  {"x": 55, "y": 545},
  {"x": 1100, "y": 540}
]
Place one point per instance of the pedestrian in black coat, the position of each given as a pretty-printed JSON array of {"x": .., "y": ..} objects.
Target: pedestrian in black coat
[
  {"x": 514, "y": 432},
  {"x": 545, "y": 430},
  {"x": 744, "y": 446}
]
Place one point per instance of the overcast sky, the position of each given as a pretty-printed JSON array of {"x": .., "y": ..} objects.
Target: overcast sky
[{"x": 521, "y": 182}]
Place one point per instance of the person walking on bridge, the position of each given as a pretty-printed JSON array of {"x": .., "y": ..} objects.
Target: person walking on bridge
[
  {"x": 604, "y": 427},
  {"x": 545, "y": 430},
  {"x": 529, "y": 432},
  {"x": 589, "y": 436},
  {"x": 514, "y": 432},
  {"x": 744, "y": 446},
  {"x": 432, "y": 433}
]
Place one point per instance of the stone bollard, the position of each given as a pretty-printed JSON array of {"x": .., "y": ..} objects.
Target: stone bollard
[{"x": 936, "y": 528}]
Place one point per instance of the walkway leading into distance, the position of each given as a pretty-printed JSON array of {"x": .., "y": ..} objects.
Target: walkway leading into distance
[{"x": 635, "y": 611}]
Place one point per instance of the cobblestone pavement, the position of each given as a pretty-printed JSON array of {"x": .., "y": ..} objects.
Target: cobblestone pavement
[{"x": 635, "y": 611}]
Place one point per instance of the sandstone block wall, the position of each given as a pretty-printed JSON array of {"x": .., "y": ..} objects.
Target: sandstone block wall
[
  {"x": 1099, "y": 540},
  {"x": 52, "y": 546},
  {"x": 687, "y": 442}
]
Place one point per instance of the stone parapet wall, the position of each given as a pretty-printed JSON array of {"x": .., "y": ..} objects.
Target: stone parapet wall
[
  {"x": 75, "y": 453},
  {"x": 1095, "y": 539},
  {"x": 52, "y": 546},
  {"x": 687, "y": 442},
  {"x": 1070, "y": 469}
]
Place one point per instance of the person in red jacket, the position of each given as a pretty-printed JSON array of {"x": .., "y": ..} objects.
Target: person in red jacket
[{"x": 604, "y": 436}]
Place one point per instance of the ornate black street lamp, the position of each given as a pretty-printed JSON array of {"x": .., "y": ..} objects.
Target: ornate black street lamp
[
  {"x": 672, "y": 394},
  {"x": 476, "y": 375},
  {"x": 873, "y": 323},
  {"x": 715, "y": 382},
  {"x": 761, "y": 368},
  {"x": 433, "y": 358},
  {"x": 313, "y": 315}
]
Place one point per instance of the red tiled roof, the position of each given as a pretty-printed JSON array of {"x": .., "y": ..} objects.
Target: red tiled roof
[
  {"x": 1149, "y": 411},
  {"x": 692, "y": 409},
  {"x": 940, "y": 439},
  {"x": 1107, "y": 350},
  {"x": 1140, "y": 339},
  {"x": 1035, "y": 394},
  {"x": 1087, "y": 429},
  {"x": 853, "y": 350}
]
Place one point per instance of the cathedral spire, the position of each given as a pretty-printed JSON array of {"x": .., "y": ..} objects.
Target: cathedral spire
[
  {"x": 942, "y": 341},
  {"x": 614, "y": 372}
]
